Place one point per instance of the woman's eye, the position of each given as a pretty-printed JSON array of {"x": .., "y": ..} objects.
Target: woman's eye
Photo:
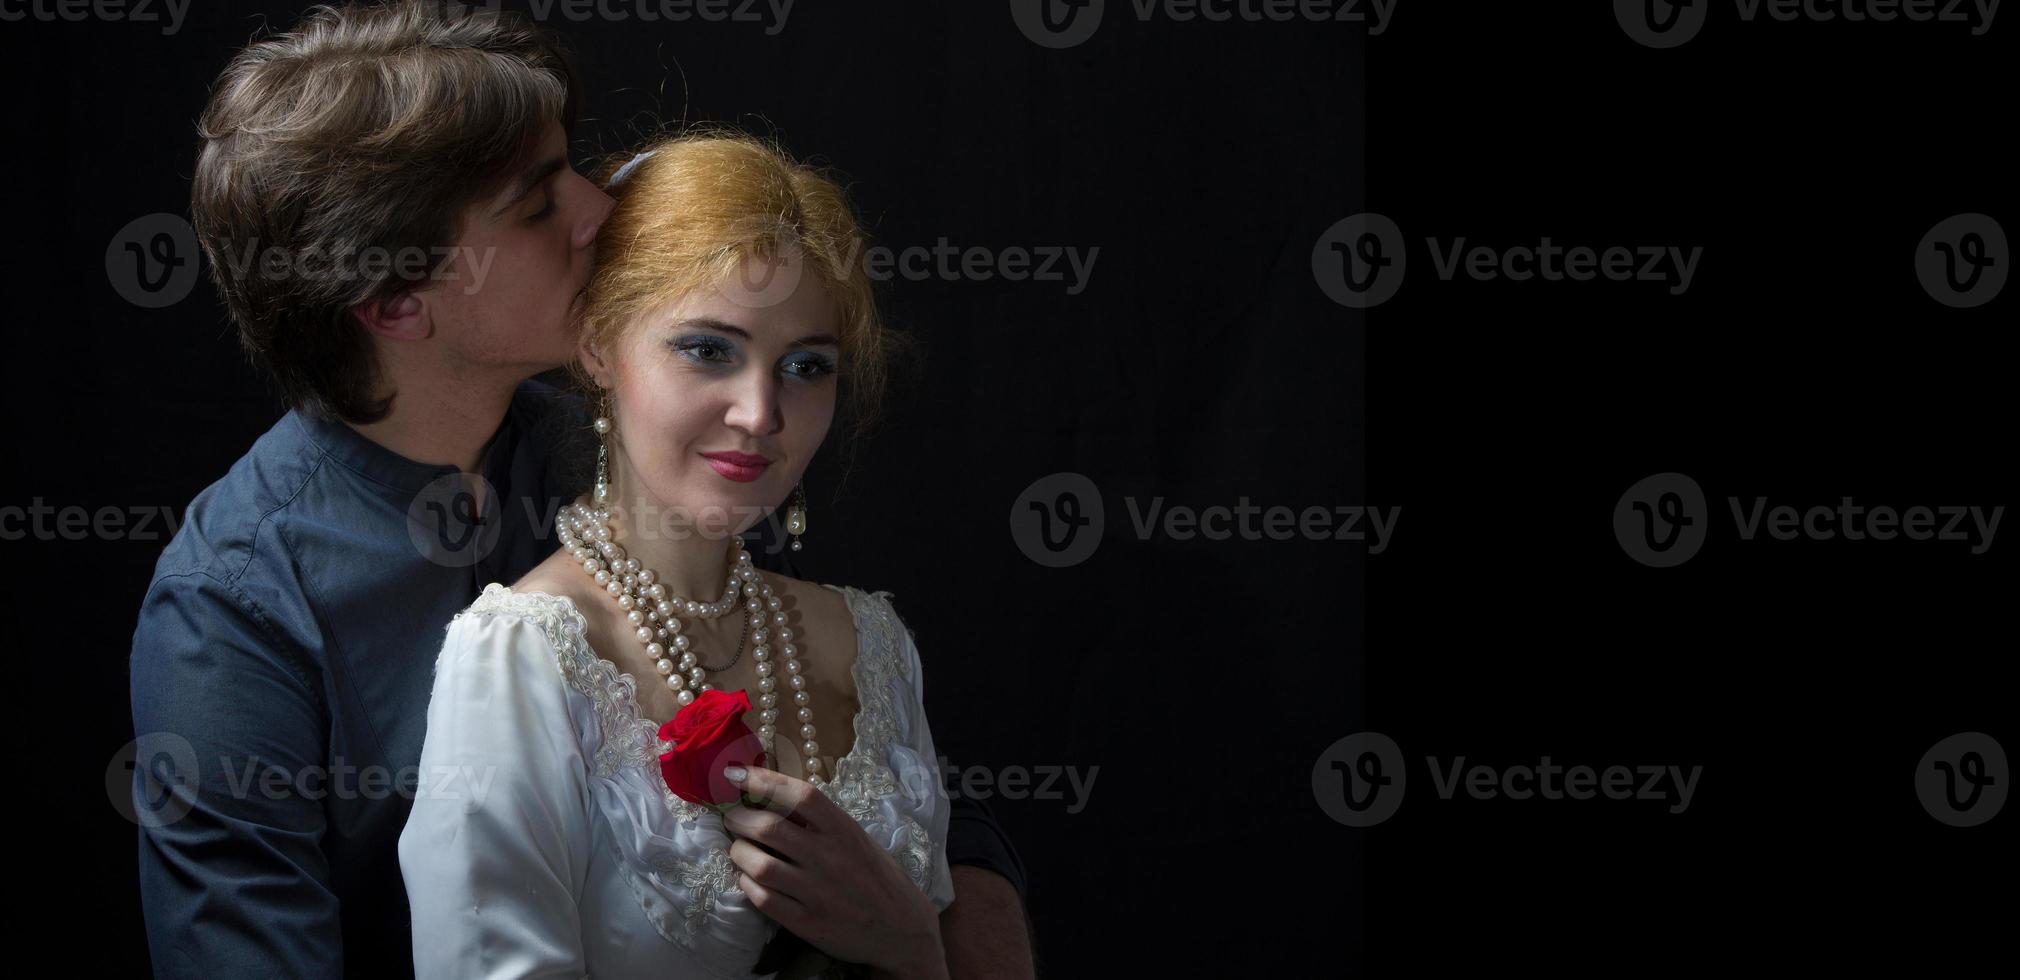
[
  {"x": 704, "y": 350},
  {"x": 810, "y": 368},
  {"x": 544, "y": 213}
]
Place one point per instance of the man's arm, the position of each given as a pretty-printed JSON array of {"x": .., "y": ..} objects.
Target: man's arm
[
  {"x": 985, "y": 932},
  {"x": 233, "y": 880}
]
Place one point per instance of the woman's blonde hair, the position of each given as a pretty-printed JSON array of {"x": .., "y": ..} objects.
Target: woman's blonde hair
[{"x": 690, "y": 215}]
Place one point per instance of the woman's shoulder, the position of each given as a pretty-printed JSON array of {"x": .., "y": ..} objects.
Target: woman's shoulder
[
  {"x": 538, "y": 610},
  {"x": 838, "y": 609},
  {"x": 822, "y": 610},
  {"x": 558, "y": 577},
  {"x": 837, "y": 613}
]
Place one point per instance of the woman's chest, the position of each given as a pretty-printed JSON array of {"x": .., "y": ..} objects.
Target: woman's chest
[{"x": 821, "y": 710}]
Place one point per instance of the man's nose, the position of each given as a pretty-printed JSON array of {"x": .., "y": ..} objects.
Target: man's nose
[{"x": 585, "y": 235}]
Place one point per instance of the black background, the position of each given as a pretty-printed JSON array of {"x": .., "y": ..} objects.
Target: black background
[{"x": 1202, "y": 364}]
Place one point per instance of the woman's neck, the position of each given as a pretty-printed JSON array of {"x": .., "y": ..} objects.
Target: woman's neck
[{"x": 693, "y": 562}]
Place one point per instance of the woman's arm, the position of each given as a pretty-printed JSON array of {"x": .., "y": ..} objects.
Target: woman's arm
[{"x": 495, "y": 851}]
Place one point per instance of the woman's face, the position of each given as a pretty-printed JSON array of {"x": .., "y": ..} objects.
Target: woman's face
[{"x": 720, "y": 403}]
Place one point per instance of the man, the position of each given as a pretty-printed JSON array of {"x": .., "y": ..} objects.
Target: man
[{"x": 389, "y": 211}]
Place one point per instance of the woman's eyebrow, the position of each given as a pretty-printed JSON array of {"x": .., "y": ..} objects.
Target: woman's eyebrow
[{"x": 711, "y": 323}]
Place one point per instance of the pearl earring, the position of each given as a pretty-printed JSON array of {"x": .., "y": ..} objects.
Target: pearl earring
[
  {"x": 796, "y": 515},
  {"x": 603, "y": 426}
]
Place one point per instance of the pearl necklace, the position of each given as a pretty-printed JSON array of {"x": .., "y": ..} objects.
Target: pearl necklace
[{"x": 654, "y": 615}]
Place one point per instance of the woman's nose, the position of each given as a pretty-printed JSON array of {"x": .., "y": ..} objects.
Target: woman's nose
[{"x": 756, "y": 409}]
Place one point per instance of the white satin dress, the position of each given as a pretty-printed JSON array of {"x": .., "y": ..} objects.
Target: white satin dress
[{"x": 543, "y": 841}]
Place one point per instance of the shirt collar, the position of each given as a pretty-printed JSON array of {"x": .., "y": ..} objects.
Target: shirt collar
[{"x": 350, "y": 447}]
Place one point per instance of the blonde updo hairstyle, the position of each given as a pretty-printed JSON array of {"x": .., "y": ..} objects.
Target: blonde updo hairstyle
[{"x": 691, "y": 214}]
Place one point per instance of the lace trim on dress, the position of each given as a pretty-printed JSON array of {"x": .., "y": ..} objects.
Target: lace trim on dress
[{"x": 863, "y": 780}]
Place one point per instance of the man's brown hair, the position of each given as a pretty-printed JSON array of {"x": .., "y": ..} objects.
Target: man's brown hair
[{"x": 367, "y": 130}]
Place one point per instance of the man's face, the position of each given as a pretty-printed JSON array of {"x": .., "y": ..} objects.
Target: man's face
[{"x": 521, "y": 265}]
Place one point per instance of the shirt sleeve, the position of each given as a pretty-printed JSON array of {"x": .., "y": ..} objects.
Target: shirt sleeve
[
  {"x": 496, "y": 850},
  {"x": 976, "y": 840},
  {"x": 233, "y": 878}
]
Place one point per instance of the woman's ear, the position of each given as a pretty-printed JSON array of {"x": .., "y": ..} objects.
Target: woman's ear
[{"x": 594, "y": 364}]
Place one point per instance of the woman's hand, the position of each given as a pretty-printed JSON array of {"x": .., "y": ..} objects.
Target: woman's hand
[{"x": 820, "y": 875}]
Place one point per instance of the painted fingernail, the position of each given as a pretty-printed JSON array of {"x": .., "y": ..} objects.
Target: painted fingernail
[{"x": 734, "y": 774}]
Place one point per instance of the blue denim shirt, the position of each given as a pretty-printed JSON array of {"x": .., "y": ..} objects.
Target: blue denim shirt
[{"x": 280, "y": 680}]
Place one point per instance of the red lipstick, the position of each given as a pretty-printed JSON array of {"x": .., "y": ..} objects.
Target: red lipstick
[{"x": 741, "y": 467}]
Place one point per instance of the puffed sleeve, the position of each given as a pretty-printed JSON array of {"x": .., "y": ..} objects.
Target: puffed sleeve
[
  {"x": 934, "y": 812},
  {"x": 496, "y": 849}
]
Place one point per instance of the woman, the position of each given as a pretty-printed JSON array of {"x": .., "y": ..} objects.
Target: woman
[{"x": 725, "y": 313}]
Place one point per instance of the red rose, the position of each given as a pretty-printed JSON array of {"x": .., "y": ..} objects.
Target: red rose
[{"x": 707, "y": 735}]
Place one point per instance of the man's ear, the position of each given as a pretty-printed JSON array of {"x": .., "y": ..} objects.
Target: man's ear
[{"x": 402, "y": 317}]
